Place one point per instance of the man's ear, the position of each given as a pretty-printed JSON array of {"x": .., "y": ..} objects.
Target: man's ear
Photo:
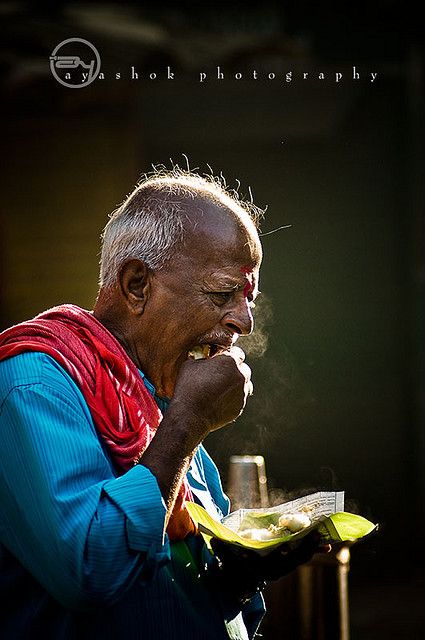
[{"x": 134, "y": 279}]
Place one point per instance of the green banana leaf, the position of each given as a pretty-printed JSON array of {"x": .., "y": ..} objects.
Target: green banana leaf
[{"x": 338, "y": 527}]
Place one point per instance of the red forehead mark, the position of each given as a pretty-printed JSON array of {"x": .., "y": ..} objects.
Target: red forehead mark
[{"x": 248, "y": 288}]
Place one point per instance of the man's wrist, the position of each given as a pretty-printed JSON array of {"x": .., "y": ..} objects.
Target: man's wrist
[{"x": 187, "y": 425}]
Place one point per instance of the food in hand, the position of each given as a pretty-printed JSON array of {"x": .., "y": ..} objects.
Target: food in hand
[{"x": 200, "y": 352}]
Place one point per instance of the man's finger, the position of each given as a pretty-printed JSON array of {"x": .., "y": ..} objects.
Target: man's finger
[
  {"x": 245, "y": 371},
  {"x": 236, "y": 353}
]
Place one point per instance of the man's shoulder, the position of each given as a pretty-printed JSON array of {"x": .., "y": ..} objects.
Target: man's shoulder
[{"x": 33, "y": 368}]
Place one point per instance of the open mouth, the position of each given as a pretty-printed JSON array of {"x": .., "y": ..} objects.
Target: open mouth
[{"x": 202, "y": 351}]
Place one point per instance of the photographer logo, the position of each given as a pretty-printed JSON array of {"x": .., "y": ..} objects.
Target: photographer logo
[{"x": 75, "y": 63}]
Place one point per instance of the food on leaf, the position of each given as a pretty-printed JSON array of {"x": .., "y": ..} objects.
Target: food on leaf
[{"x": 294, "y": 522}]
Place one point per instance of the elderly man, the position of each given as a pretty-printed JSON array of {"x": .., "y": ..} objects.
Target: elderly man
[{"x": 103, "y": 415}]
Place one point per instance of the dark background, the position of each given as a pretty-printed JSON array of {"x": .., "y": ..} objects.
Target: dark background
[{"x": 340, "y": 392}]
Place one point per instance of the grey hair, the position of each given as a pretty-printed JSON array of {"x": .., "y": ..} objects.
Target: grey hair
[{"x": 149, "y": 224}]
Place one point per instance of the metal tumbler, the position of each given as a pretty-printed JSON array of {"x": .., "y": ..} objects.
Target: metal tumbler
[{"x": 247, "y": 485}]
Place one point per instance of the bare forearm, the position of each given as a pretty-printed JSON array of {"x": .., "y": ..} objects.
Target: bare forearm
[{"x": 171, "y": 451}]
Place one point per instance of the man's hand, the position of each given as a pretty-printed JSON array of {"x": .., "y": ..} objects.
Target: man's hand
[
  {"x": 241, "y": 572},
  {"x": 213, "y": 390},
  {"x": 208, "y": 394}
]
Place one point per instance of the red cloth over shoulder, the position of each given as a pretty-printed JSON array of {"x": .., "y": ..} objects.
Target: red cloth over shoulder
[{"x": 124, "y": 412}]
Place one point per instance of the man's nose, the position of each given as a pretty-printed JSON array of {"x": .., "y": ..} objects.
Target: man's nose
[{"x": 239, "y": 320}]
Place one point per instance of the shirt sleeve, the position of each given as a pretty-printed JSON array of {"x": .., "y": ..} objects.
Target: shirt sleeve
[
  {"x": 213, "y": 481},
  {"x": 85, "y": 534}
]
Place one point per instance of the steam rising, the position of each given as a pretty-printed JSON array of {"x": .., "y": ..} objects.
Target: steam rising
[
  {"x": 278, "y": 395},
  {"x": 280, "y": 398}
]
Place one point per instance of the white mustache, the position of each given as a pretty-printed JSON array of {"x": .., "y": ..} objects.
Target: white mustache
[{"x": 223, "y": 339}]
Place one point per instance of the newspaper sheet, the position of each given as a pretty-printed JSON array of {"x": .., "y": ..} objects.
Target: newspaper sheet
[{"x": 316, "y": 505}]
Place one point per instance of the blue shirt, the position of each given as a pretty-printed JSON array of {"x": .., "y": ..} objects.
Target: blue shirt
[{"x": 83, "y": 552}]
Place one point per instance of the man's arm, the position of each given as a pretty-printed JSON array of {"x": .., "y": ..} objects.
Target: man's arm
[
  {"x": 85, "y": 534},
  {"x": 209, "y": 394}
]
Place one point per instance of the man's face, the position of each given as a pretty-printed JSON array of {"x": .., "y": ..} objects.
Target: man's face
[{"x": 203, "y": 297}]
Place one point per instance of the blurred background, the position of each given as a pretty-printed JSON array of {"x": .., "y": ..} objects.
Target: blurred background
[{"x": 339, "y": 397}]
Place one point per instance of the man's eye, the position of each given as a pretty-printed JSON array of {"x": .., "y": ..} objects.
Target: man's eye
[{"x": 221, "y": 297}]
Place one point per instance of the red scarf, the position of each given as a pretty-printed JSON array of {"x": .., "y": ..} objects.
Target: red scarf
[{"x": 124, "y": 412}]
